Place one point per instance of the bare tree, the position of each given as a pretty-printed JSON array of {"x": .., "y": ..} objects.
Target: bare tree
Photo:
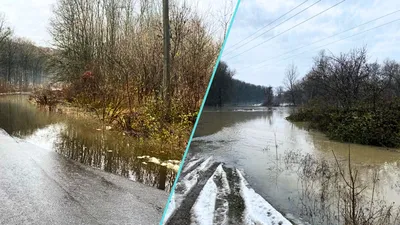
[
  {"x": 21, "y": 62},
  {"x": 5, "y": 32},
  {"x": 226, "y": 15},
  {"x": 290, "y": 81},
  {"x": 279, "y": 94},
  {"x": 120, "y": 43}
]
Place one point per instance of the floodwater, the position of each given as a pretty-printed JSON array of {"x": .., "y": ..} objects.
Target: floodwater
[
  {"x": 256, "y": 140},
  {"x": 88, "y": 142}
]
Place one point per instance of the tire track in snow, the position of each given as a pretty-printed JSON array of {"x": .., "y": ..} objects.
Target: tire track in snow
[
  {"x": 182, "y": 213},
  {"x": 223, "y": 190},
  {"x": 215, "y": 194}
]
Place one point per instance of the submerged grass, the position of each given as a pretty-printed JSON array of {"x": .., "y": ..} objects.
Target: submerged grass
[{"x": 333, "y": 192}]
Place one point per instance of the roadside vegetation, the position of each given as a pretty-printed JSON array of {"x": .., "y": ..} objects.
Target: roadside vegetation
[{"x": 107, "y": 59}]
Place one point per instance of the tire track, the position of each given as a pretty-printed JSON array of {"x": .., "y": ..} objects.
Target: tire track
[
  {"x": 183, "y": 212},
  {"x": 212, "y": 193}
]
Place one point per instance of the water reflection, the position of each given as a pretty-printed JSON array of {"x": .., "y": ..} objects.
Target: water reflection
[
  {"x": 115, "y": 155},
  {"x": 83, "y": 141},
  {"x": 19, "y": 118},
  {"x": 213, "y": 121}
]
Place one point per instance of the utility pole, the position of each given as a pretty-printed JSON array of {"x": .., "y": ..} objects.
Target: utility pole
[{"x": 166, "y": 73}]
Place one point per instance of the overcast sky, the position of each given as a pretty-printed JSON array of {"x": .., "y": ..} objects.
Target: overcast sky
[
  {"x": 30, "y": 18},
  {"x": 262, "y": 65}
]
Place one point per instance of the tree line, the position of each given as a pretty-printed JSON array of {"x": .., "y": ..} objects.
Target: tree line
[
  {"x": 227, "y": 90},
  {"x": 349, "y": 98},
  {"x": 22, "y": 63}
]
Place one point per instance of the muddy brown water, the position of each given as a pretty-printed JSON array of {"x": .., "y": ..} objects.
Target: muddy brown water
[
  {"x": 86, "y": 141},
  {"x": 255, "y": 139}
]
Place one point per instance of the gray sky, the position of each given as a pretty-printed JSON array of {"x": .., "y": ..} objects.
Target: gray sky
[
  {"x": 262, "y": 65},
  {"x": 30, "y": 18}
]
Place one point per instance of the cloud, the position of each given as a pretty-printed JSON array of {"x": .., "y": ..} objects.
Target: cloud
[
  {"x": 29, "y": 19},
  {"x": 382, "y": 42}
]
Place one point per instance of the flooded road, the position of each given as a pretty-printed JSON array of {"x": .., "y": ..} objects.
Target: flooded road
[
  {"x": 55, "y": 170},
  {"x": 261, "y": 142}
]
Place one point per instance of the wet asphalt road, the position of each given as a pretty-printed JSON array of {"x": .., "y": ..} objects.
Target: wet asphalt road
[{"x": 38, "y": 186}]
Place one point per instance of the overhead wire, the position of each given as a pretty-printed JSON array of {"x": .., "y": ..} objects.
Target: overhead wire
[
  {"x": 318, "y": 48},
  {"x": 287, "y": 30},
  {"x": 267, "y": 25},
  {"x": 323, "y": 39}
]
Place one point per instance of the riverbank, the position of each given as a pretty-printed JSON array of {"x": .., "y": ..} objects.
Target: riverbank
[
  {"x": 66, "y": 108},
  {"x": 145, "y": 121},
  {"x": 367, "y": 126}
]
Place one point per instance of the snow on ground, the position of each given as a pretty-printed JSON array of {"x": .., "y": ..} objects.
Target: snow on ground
[
  {"x": 187, "y": 183},
  {"x": 221, "y": 211},
  {"x": 203, "y": 208},
  {"x": 225, "y": 184},
  {"x": 212, "y": 207},
  {"x": 258, "y": 210},
  {"x": 170, "y": 164},
  {"x": 191, "y": 164},
  {"x": 190, "y": 180}
]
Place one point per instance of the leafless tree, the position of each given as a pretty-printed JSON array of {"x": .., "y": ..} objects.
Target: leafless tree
[
  {"x": 290, "y": 81},
  {"x": 5, "y": 31},
  {"x": 120, "y": 42}
]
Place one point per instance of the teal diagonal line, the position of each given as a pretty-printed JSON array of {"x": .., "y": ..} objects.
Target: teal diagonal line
[{"x": 200, "y": 111}]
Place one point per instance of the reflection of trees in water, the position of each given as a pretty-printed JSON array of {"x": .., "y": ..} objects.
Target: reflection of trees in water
[
  {"x": 80, "y": 142},
  {"x": 18, "y": 117},
  {"x": 115, "y": 155},
  {"x": 213, "y": 122}
]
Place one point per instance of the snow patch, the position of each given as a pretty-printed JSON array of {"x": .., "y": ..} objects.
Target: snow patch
[
  {"x": 170, "y": 164},
  {"x": 225, "y": 184},
  {"x": 203, "y": 208},
  {"x": 258, "y": 210},
  {"x": 221, "y": 211},
  {"x": 190, "y": 180},
  {"x": 187, "y": 183},
  {"x": 191, "y": 164}
]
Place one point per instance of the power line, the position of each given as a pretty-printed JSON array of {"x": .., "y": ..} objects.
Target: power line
[
  {"x": 269, "y": 24},
  {"x": 306, "y": 45},
  {"x": 336, "y": 41},
  {"x": 276, "y": 25},
  {"x": 288, "y": 29}
]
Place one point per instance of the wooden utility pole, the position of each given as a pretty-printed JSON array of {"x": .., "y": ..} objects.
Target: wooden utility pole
[{"x": 166, "y": 73}]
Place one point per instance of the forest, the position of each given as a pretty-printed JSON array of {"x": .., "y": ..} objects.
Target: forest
[
  {"x": 349, "y": 98},
  {"x": 225, "y": 90},
  {"x": 22, "y": 64}
]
